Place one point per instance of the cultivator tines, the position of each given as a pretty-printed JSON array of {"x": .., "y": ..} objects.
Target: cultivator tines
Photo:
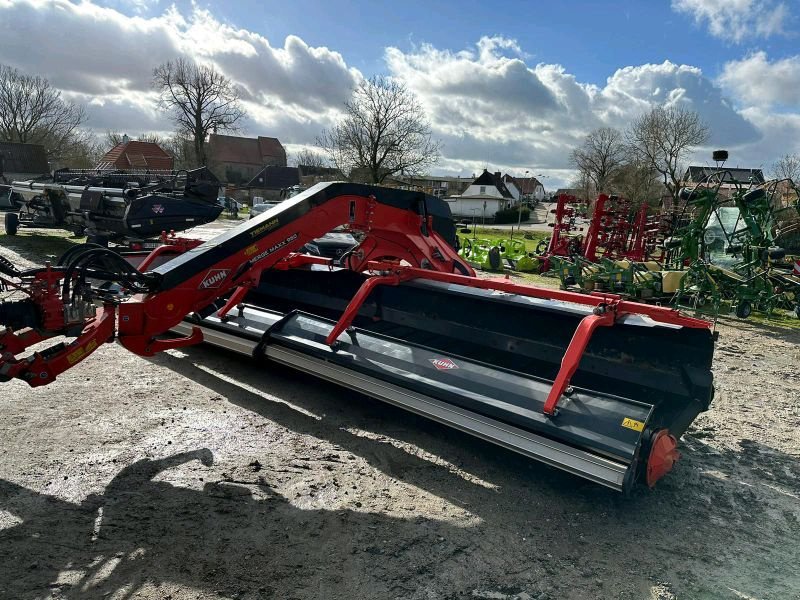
[
  {"x": 566, "y": 240},
  {"x": 618, "y": 231},
  {"x": 656, "y": 229},
  {"x": 611, "y": 231}
]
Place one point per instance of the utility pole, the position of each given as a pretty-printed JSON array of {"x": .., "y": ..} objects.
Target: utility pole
[
  {"x": 519, "y": 210},
  {"x": 474, "y": 224}
]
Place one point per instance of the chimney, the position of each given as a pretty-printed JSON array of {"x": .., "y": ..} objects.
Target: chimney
[
  {"x": 125, "y": 139},
  {"x": 497, "y": 175}
]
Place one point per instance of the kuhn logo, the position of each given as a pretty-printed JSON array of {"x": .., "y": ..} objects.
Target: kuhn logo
[
  {"x": 443, "y": 364},
  {"x": 214, "y": 278},
  {"x": 157, "y": 208}
]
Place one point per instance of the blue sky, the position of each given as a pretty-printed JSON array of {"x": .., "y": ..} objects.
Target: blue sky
[
  {"x": 508, "y": 85},
  {"x": 590, "y": 39}
]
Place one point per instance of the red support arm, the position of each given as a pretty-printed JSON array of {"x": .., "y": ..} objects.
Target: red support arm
[
  {"x": 363, "y": 292},
  {"x": 574, "y": 353},
  {"x": 592, "y": 239}
]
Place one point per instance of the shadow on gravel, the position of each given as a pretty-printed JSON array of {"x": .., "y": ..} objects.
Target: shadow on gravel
[
  {"x": 219, "y": 539},
  {"x": 724, "y": 523}
]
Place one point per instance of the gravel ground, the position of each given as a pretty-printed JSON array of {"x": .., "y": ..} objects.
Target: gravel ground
[{"x": 197, "y": 474}]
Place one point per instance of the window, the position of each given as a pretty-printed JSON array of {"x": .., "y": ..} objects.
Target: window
[{"x": 483, "y": 189}]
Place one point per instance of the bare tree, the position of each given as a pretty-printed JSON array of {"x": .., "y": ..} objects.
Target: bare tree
[
  {"x": 308, "y": 158},
  {"x": 584, "y": 185},
  {"x": 384, "y": 131},
  {"x": 113, "y": 138},
  {"x": 181, "y": 148},
  {"x": 32, "y": 111},
  {"x": 600, "y": 156},
  {"x": 787, "y": 167},
  {"x": 202, "y": 100},
  {"x": 638, "y": 182},
  {"x": 662, "y": 139},
  {"x": 84, "y": 153}
]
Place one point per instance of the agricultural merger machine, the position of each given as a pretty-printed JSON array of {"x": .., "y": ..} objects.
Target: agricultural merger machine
[{"x": 591, "y": 384}]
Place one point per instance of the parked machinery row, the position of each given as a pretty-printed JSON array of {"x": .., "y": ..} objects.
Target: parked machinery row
[
  {"x": 714, "y": 253},
  {"x": 114, "y": 205}
]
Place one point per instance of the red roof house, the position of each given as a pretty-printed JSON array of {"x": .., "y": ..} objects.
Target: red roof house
[
  {"x": 137, "y": 155},
  {"x": 239, "y": 159}
]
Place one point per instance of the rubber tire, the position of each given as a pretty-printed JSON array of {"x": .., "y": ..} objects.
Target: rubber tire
[
  {"x": 775, "y": 253},
  {"x": 494, "y": 259},
  {"x": 744, "y": 309},
  {"x": 12, "y": 223},
  {"x": 99, "y": 240},
  {"x": 541, "y": 247}
]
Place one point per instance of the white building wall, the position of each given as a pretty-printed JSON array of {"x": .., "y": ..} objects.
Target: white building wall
[
  {"x": 512, "y": 187},
  {"x": 482, "y": 190},
  {"x": 473, "y": 207}
]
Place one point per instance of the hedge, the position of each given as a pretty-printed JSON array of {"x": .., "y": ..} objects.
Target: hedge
[{"x": 511, "y": 215}]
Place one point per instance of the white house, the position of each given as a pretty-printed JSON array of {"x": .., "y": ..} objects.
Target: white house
[
  {"x": 512, "y": 186},
  {"x": 527, "y": 187},
  {"x": 484, "y": 197}
]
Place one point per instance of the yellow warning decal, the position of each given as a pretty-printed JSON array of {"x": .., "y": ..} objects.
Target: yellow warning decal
[
  {"x": 633, "y": 424},
  {"x": 81, "y": 352}
]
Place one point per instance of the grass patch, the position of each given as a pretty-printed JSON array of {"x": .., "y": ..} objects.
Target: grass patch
[
  {"x": 493, "y": 233},
  {"x": 38, "y": 245},
  {"x": 536, "y": 279},
  {"x": 776, "y": 319}
]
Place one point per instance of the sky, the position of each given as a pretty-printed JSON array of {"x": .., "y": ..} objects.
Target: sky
[{"x": 507, "y": 85}]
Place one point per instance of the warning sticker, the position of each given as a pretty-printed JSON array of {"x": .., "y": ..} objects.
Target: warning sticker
[
  {"x": 81, "y": 352},
  {"x": 633, "y": 424}
]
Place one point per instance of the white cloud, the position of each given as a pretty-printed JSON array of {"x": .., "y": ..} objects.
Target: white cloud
[
  {"x": 758, "y": 82},
  {"x": 780, "y": 135},
  {"x": 633, "y": 90},
  {"x": 494, "y": 110},
  {"x": 737, "y": 20},
  {"x": 98, "y": 54}
]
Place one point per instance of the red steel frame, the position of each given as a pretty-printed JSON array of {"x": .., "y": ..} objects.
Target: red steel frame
[
  {"x": 390, "y": 232},
  {"x": 597, "y": 229},
  {"x": 563, "y": 223},
  {"x": 637, "y": 246}
]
